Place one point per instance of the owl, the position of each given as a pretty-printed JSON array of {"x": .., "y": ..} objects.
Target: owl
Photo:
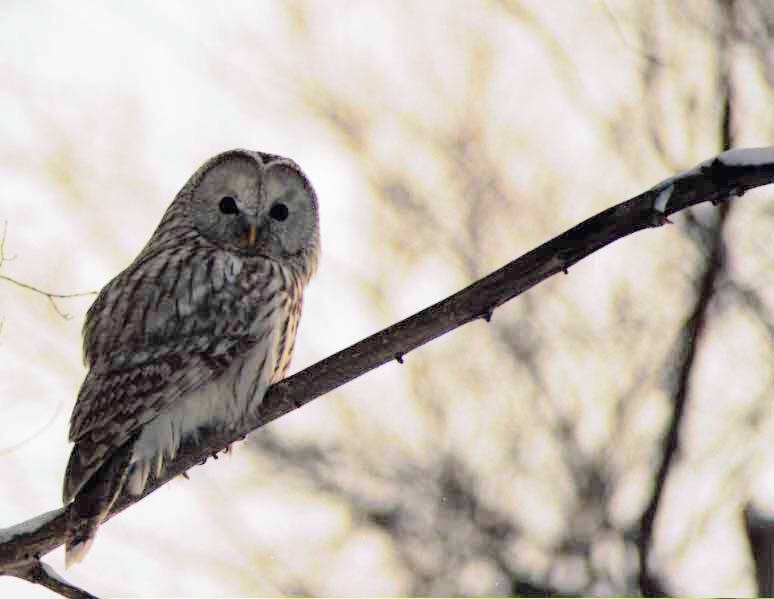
[{"x": 193, "y": 332}]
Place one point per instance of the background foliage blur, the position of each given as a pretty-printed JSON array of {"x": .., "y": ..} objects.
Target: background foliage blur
[{"x": 617, "y": 415}]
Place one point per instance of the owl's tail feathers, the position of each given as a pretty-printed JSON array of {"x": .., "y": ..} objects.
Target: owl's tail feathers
[
  {"x": 76, "y": 549},
  {"x": 93, "y": 502}
]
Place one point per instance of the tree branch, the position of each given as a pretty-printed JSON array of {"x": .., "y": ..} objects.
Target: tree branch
[
  {"x": 760, "y": 535},
  {"x": 51, "y": 296},
  {"x": 729, "y": 174},
  {"x": 39, "y": 573}
]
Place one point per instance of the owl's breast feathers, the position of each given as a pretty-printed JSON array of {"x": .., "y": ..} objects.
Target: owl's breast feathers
[{"x": 173, "y": 323}]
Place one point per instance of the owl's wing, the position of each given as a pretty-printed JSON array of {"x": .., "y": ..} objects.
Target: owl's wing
[{"x": 158, "y": 331}]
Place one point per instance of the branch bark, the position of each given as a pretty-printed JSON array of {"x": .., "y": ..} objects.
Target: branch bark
[
  {"x": 39, "y": 573},
  {"x": 723, "y": 177}
]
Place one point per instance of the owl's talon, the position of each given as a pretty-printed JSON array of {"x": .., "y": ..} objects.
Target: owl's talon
[
  {"x": 399, "y": 358},
  {"x": 185, "y": 476}
]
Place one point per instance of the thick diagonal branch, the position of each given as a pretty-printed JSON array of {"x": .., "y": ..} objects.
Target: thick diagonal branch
[{"x": 728, "y": 175}]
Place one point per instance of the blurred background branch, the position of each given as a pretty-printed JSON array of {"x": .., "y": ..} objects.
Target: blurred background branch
[
  {"x": 682, "y": 362},
  {"x": 760, "y": 532}
]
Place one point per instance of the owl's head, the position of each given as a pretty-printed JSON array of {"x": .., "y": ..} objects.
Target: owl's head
[{"x": 255, "y": 204}]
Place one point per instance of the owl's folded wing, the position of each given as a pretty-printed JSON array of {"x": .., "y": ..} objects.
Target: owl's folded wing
[
  {"x": 171, "y": 335},
  {"x": 123, "y": 401}
]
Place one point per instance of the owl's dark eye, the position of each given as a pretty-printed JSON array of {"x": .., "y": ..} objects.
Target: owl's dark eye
[
  {"x": 228, "y": 205},
  {"x": 279, "y": 211}
]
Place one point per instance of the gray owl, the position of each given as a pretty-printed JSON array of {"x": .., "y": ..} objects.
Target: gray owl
[{"x": 193, "y": 332}]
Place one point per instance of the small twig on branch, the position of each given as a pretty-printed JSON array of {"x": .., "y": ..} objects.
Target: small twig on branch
[
  {"x": 716, "y": 180},
  {"x": 39, "y": 573},
  {"x": 3, "y": 257},
  {"x": 51, "y": 296}
]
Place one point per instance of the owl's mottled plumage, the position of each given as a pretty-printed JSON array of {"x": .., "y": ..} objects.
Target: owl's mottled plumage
[{"x": 193, "y": 332}]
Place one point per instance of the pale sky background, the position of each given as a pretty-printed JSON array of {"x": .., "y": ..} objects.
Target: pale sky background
[{"x": 106, "y": 110}]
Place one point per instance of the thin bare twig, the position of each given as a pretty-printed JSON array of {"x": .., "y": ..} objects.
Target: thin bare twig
[
  {"x": 51, "y": 296},
  {"x": 3, "y": 257},
  {"x": 39, "y": 573}
]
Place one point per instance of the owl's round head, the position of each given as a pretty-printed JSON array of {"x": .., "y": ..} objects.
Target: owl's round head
[{"x": 255, "y": 204}]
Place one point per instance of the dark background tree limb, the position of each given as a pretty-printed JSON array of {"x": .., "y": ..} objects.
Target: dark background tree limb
[
  {"x": 710, "y": 238},
  {"x": 760, "y": 534}
]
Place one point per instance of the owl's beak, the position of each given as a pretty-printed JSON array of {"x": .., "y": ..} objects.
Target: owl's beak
[{"x": 252, "y": 234}]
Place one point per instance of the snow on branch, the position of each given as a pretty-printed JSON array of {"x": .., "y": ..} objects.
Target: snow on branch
[{"x": 721, "y": 178}]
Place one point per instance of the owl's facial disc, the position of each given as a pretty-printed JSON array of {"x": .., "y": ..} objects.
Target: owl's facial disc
[{"x": 256, "y": 206}]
